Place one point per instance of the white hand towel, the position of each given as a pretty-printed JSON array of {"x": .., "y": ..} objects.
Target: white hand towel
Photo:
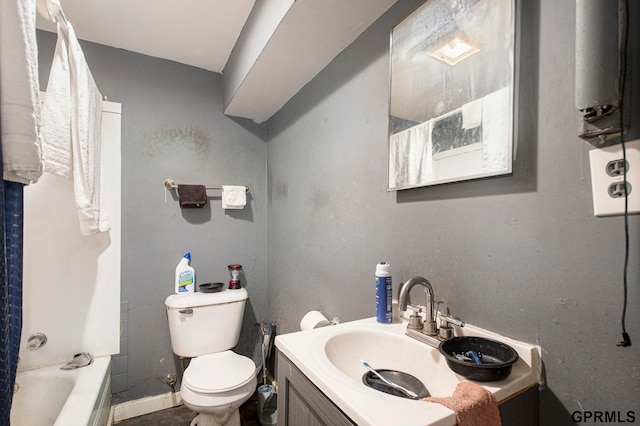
[
  {"x": 234, "y": 197},
  {"x": 71, "y": 128},
  {"x": 19, "y": 92}
]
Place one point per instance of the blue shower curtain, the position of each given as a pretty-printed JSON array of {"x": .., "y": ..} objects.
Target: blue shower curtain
[{"x": 11, "y": 232}]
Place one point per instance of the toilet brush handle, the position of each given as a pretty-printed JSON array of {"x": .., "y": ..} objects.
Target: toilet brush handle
[{"x": 264, "y": 368}]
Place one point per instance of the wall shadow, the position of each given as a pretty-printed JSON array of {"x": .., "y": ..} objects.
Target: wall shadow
[
  {"x": 370, "y": 45},
  {"x": 554, "y": 412},
  {"x": 257, "y": 130}
]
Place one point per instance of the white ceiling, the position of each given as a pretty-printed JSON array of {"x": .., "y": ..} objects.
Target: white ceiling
[
  {"x": 200, "y": 33},
  {"x": 284, "y": 44}
]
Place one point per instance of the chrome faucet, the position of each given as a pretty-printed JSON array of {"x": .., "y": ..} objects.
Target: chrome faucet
[
  {"x": 430, "y": 327},
  {"x": 426, "y": 331}
]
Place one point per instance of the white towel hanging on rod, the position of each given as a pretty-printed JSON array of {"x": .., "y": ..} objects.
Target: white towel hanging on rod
[{"x": 71, "y": 122}]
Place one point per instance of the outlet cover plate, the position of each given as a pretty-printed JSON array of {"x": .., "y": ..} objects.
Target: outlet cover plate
[{"x": 603, "y": 203}]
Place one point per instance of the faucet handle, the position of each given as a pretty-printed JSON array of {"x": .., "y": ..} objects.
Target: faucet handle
[
  {"x": 446, "y": 320},
  {"x": 36, "y": 341},
  {"x": 415, "y": 322},
  {"x": 446, "y": 330},
  {"x": 415, "y": 319}
]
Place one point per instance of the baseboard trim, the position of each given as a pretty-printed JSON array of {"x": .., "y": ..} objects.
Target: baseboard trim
[
  {"x": 110, "y": 420},
  {"x": 140, "y": 407}
]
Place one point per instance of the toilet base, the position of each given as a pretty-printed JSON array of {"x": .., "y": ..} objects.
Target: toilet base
[
  {"x": 210, "y": 420},
  {"x": 222, "y": 409}
]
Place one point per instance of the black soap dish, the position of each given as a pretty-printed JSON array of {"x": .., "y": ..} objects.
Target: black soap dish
[
  {"x": 496, "y": 358},
  {"x": 211, "y": 287}
]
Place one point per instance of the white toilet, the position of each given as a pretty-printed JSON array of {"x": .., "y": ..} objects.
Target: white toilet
[{"x": 205, "y": 326}]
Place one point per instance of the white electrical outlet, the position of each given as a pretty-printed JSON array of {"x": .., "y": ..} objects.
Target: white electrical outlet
[{"x": 607, "y": 179}]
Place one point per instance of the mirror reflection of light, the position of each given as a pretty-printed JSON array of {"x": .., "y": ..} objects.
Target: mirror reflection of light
[{"x": 453, "y": 51}]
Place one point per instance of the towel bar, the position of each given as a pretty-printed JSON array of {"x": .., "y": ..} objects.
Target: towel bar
[{"x": 170, "y": 184}]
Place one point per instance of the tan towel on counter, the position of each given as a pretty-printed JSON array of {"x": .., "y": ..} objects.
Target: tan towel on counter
[{"x": 473, "y": 405}]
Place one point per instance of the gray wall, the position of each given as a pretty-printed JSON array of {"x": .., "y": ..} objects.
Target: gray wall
[
  {"x": 522, "y": 254},
  {"x": 519, "y": 254},
  {"x": 173, "y": 127}
]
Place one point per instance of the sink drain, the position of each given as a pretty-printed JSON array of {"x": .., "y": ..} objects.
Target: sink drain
[{"x": 403, "y": 379}]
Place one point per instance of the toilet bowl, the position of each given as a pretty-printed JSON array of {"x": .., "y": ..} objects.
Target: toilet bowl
[
  {"x": 204, "y": 327},
  {"x": 216, "y": 385}
]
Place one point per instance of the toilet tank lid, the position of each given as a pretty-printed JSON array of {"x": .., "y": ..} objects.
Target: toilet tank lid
[{"x": 193, "y": 300}]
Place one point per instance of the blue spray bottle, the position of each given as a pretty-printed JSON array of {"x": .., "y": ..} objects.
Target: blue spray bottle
[{"x": 384, "y": 294}]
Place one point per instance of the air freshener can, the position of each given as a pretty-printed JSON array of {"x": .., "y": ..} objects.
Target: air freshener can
[{"x": 384, "y": 313}]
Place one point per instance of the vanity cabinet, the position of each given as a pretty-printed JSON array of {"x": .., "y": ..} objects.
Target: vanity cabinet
[{"x": 301, "y": 403}]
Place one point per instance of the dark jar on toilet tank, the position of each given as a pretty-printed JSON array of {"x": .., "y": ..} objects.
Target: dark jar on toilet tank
[{"x": 236, "y": 272}]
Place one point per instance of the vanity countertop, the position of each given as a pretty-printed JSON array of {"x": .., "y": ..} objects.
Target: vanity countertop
[{"x": 330, "y": 357}]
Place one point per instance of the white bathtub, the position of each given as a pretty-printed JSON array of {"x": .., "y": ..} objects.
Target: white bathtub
[{"x": 50, "y": 396}]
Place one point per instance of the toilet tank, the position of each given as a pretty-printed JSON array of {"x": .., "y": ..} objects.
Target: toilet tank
[{"x": 205, "y": 323}]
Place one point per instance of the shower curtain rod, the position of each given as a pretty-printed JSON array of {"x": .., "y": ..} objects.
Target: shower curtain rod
[{"x": 51, "y": 10}]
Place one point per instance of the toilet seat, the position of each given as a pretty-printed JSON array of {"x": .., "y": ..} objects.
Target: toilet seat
[{"x": 219, "y": 372}]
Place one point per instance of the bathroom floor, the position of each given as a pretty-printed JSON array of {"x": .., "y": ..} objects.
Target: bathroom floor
[{"x": 182, "y": 416}]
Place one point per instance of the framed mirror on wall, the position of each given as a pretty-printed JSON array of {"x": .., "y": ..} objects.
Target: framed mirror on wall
[{"x": 451, "y": 108}]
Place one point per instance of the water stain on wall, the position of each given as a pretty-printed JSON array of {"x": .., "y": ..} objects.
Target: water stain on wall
[
  {"x": 180, "y": 137},
  {"x": 282, "y": 189}
]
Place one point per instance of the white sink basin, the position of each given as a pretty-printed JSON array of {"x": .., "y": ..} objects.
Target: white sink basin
[
  {"x": 330, "y": 358},
  {"x": 384, "y": 350}
]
